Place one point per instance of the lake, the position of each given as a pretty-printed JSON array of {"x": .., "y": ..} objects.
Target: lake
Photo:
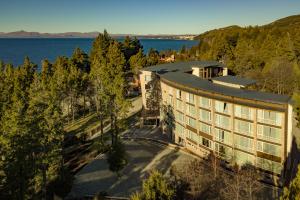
[{"x": 13, "y": 50}]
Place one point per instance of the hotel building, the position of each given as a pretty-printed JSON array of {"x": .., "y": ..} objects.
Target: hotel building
[{"x": 209, "y": 111}]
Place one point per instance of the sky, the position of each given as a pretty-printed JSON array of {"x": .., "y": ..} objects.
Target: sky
[{"x": 139, "y": 17}]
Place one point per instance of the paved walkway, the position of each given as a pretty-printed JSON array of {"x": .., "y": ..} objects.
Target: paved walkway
[{"x": 142, "y": 156}]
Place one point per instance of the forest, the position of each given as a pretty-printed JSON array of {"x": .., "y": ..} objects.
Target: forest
[{"x": 36, "y": 103}]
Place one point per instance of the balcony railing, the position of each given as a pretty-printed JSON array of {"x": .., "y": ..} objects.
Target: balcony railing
[
  {"x": 249, "y": 149},
  {"x": 268, "y": 138},
  {"x": 268, "y": 121}
]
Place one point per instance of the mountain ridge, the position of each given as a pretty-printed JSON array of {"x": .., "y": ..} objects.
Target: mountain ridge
[{"x": 33, "y": 34}]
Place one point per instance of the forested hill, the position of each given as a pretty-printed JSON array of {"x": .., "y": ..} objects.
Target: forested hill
[
  {"x": 268, "y": 53},
  {"x": 286, "y": 23}
]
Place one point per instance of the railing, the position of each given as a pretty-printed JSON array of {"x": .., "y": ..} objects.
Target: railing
[
  {"x": 248, "y": 133},
  {"x": 223, "y": 141},
  {"x": 249, "y": 149},
  {"x": 268, "y": 138},
  {"x": 268, "y": 121},
  {"x": 244, "y": 116}
]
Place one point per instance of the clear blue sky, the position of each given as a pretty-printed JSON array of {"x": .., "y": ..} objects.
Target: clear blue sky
[{"x": 139, "y": 17}]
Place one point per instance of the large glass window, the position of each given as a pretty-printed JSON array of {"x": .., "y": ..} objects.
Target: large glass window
[
  {"x": 222, "y": 107},
  {"x": 243, "y": 158},
  {"x": 191, "y": 122},
  {"x": 205, "y": 142},
  {"x": 268, "y": 148},
  {"x": 190, "y": 110},
  {"x": 171, "y": 90},
  {"x": 179, "y": 105},
  {"x": 223, "y": 136},
  {"x": 178, "y": 94},
  {"x": 204, "y": 115},
  {"x": 179, "y": 117},
  {"x": 269, "y": 165},
  {"x": 243, "y": 112},
  {"x": 243, "y": 127},
  {"x": 269, "y": 117},
  {"x": 222, "y": 121},
  {"x": 170, "y": 100},
  {"x": 190, "y": 98},
  {"x": 269, "y": 133},
  {"x": 243, "y": 143},
  {"x": 193, "y": 136},
  {"x": 147, "y": 78},
  {"x": 205, "y": 128},
  {"x": 204, "y": 102},
  {"x": 179, "y": 130},
  {"x": 223, "y": 151}
]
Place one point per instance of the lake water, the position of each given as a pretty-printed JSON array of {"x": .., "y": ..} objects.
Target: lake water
[{"x": 14, "y": 50}]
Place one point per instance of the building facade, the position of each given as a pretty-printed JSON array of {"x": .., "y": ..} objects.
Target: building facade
[{"x": 208, "y": 111}]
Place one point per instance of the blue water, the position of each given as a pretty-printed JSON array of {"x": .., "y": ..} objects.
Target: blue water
[{"x": 14, "y": 50}]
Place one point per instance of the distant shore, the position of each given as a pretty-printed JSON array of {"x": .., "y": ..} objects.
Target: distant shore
[{"x": 91, "y": 35}]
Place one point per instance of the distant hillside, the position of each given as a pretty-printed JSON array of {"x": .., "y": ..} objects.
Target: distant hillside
[
  {"x": 287, "y": 22},
  {"x": 268, "y": 53},
  {"x": 290, "y": 22},
  {"x": 25, "y": 34}
]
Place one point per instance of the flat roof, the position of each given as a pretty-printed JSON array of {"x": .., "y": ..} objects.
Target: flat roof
[
  {"x": 195, "y": 82},
  {"x": 235, "y": 80}
]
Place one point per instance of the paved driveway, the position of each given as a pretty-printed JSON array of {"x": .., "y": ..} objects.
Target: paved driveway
[{"x": 143, "y": 157}]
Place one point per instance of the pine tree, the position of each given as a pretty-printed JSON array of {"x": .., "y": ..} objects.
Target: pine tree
[
  {"x": 115, "y": 86},
  {"x": 98, "y": 71},
  {"x": 137, "y": 62}
]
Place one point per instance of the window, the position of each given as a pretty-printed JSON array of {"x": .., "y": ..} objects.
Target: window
[
  {"x": 147, "y": 78},
  {"x": 179, "y": 104},
  {"x": 179, "y": 117},
  {"x": 222, "y": 121},
  {"x": 269, "y": 117},
  {"x": 243, "y": 158},
  {"x": 170, "y": 90},
  {"x": 223, "y": 151},
  {"x": 205, "y": 142},
  {"x": 205, "y": 115},
  {"x": 243, "y": 127},
  {"x": 269, "y": 165},
  {"x": 191, "y": 122},
  {"x": 243, "y": 112},
  {"x": 190, "y": 98},
  {"x": 193, "y": 136},
  {"x": 170, "y": 100},
  {"x": 222, "y": 107},
  {"x": 269, "y": 133},
  {"x": 178, "y": 94},
  {"x": 190, "y": 110},
  {"x": 204, "y": 102},
  {"x": 243, "y": 143},
  {"x": 205, "y": 128},
  {"x": 223, "y": 136},
  {"x": 268, "y": 148},
  {"x": 179, "y": 130}
]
